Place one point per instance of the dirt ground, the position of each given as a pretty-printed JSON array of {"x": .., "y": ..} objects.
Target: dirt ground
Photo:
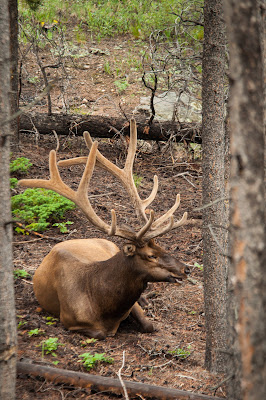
[
  {"x": 176, "y": 311},
  {"x": 102, "y": 78}
]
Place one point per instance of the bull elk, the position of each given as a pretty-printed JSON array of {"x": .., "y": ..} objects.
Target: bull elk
[{"x": 89, "y": 283}]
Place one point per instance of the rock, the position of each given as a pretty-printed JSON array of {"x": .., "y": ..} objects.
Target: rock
[{"x": 186, "y": 108}]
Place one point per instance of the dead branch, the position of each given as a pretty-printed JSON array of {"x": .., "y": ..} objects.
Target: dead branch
[
  {"x": 40, "y": 235},
  {"x": 120, "y": 377},
  {"x": 101, "y": 383},
  {"x": 102, "y": 127}
]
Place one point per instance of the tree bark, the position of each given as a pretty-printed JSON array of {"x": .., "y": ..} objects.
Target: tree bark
[
  {"x": 13, "y": 28},
  {"x": 100, "y": 126},
  {"x": 213, "y": 185},
  {"x": 7, "y": 304},
  {"x": 247, "y": 282}
]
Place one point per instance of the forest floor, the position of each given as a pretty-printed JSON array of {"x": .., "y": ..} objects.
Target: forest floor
[{"x": 176, "y": 311}]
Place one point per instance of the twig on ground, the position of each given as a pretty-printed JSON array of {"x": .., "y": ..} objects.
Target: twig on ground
[
  {"x": 120, "y": 377},
  {"x": 29, "y": 282},
  {"x": 41, "y": 236},
  {"x": 28, "y": 241},
  {"x": 222, "y": 382},
  {"x": 191, "y": 183}
]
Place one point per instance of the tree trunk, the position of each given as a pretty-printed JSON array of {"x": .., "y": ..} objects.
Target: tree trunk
[
  {"x": 13, "y": 27},
  {"x": 213, "y": 185},
  {"x": 247, "y": 282},
  {"x": 7, "y": 304},
  {"x": 100, "y": 126}
]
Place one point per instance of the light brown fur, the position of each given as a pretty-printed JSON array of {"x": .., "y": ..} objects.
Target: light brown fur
[{"x": 92, "y": 285}]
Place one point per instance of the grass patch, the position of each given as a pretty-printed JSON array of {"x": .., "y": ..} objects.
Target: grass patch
[{"x": 106, "y": 17}]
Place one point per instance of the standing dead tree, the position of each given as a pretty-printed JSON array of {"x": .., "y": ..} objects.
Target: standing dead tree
[{"x": 37, "y": 37}]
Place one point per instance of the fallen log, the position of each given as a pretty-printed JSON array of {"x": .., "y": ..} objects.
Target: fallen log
[
  {"x": 100, "y": 383},
  {"x": 103, "y": 127}
]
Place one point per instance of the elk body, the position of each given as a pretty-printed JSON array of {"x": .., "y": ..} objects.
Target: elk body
[{"x": 91, "y": 284}]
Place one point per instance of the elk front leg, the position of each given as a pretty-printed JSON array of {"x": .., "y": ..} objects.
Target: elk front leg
[{"x": 138, "y": 314}]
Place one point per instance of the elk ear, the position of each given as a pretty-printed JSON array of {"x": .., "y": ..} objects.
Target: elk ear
[{"x": 129, "y": 250}]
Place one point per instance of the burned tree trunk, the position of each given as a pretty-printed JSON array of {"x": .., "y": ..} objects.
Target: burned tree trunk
[{"x": 100, "y": 126}]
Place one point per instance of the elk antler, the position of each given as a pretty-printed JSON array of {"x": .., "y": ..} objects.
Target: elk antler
[
  {"x": 125, "y": 175},
  {"x": 80, "y": 197},
  {"x": 152, "y": 228}
]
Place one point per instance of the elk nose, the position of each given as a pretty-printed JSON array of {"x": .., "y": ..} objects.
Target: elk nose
[{"x": 187, "y": 270}]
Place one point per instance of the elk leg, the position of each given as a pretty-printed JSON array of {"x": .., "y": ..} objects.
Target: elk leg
[
  {"x": 138, "y": 314},
  {"x": 96, "y": 334},
  {"x": 143, "y": 301},
  {"x": 68, "y": 319}
]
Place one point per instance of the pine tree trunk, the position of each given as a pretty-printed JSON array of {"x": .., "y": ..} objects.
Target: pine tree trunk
[
  {"x": 213, "y": 185},
  {"x": 247, "y": 282},
  {"x": 7, "y": 305},
  {"x": 13, "y": 27}
]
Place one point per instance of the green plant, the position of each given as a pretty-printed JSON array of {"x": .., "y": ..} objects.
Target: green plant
[
  {"x": 37, "y": 207},
  {"x": 121, "y": 85},
  {"x": 199, "y": 266},
  {"x": 88, "y": 342},
  {"x": 36, "y": 332},
  {"x": 49, "y": 346},
  {"x": 21, "y": 165},
  {"x": 196, "y": 150},
  {"x": 90, "y": 360},
  {"x": 107, "y": 68},
  {"x": 181, "y": 353},
  {"x": 137, "y": 180},
  {"x": 62, "y": 226},
  {"x": 21, "y": 273},
  {"x": 13, "y": 182},
  {"x": 51, "y": 320},
  {"x": 33, "y": 79},
  {"x": 21, "y": 323}
]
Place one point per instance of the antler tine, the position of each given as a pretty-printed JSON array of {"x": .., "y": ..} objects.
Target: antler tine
[
  {"x": 131, "y": 147},
  {"x": 168, "y": 214},
  {"x": 169, "y": 227},
  {"x": 146, "y": 227},
  {"x": 72, "y": 161},
  {"x": 54, "y": 183}
]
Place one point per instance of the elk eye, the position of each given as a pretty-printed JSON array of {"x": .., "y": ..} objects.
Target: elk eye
[{"x": 152, "y": 257}]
